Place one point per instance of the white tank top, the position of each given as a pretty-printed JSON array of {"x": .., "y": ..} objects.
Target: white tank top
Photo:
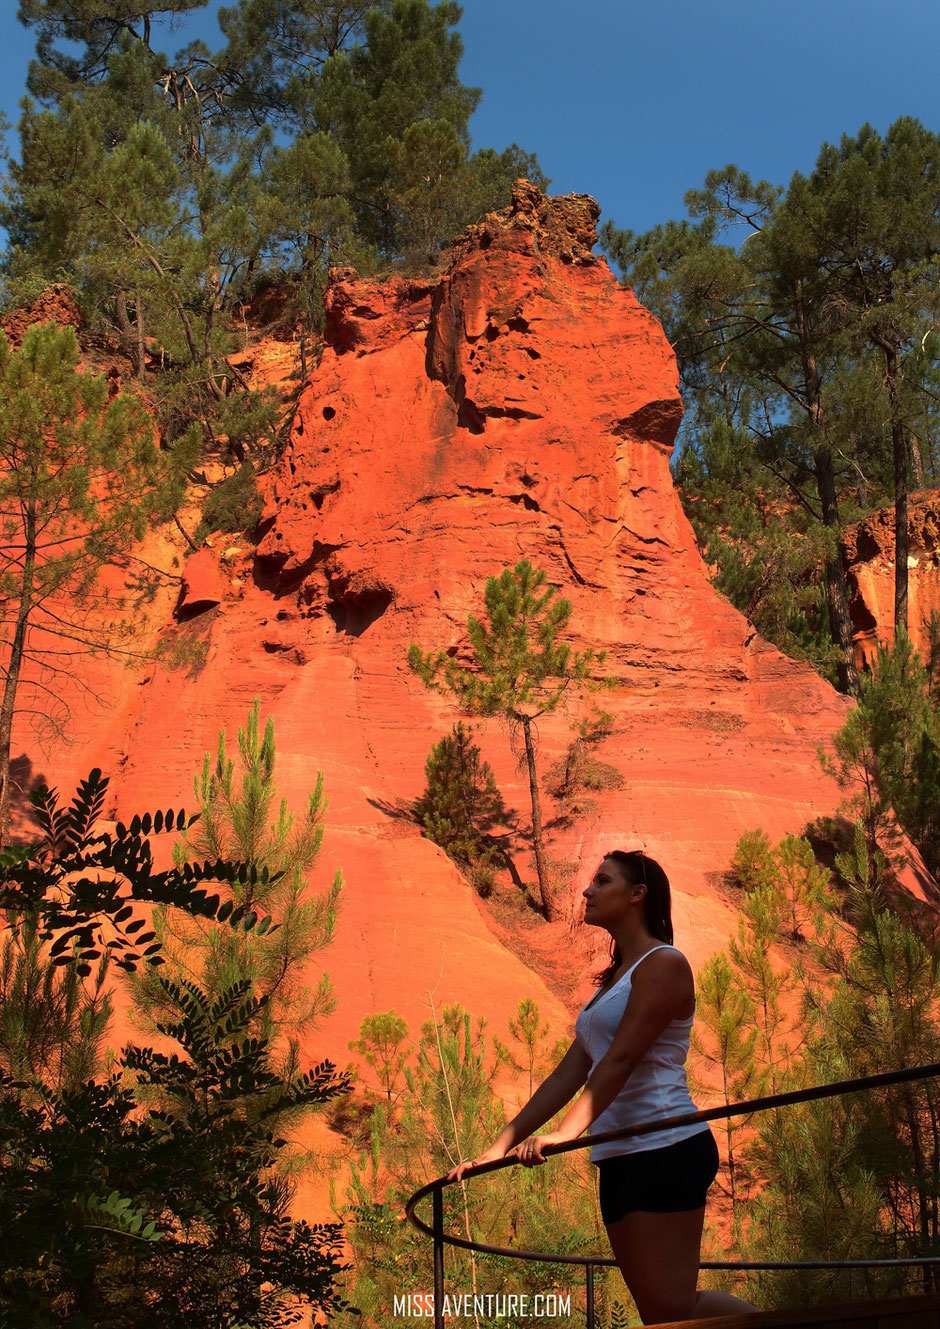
[{"x": 657, "y": 1086}]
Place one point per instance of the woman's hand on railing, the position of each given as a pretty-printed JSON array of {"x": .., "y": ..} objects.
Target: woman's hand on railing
[
  {"x": 491, "y": 1155},
  {"x": 529, "y": 1152}
]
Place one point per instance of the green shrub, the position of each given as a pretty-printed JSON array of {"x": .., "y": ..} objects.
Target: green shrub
[
  {"x": 234, "y": 505},
  {"x": 461, "y": 803}
]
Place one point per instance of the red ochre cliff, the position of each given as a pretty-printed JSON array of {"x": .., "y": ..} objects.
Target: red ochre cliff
[
  {"x": 869, "y": 558},
  {"x": 524, "y": 405}
]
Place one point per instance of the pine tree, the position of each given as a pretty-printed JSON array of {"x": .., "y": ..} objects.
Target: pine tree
[
  {"x": 887, "y": 754},
  {"x": 724, "y": 1039},
  {"x": 785, "y": 896},
  {"x": 154, "y": 184},
  {"x": 52, "y": 1024},
  {"x": 460, "y": 802},
  {"x": 241, "y": 819},
  {"x": 533, "y": 1057},
  {"x": 883, "y": 197},
  {"x": 376, "y": 99},
  {"x": 766, "y": 552},
  {"x": 759, "y": 328},
  {"x": 133, "y": 183},
  {"x": 766, "y": 985},
  {"x": 857, "y": 993},
  {"x": 382, "y": 1045},
  {"x": 95, "y": 196},
  {"x": 306, "y": 210},
  {"x": 95, "y": 27},
  {"x": 520, "y": 670},
  {"x": 82, "y": 478},
  {"x": 273, "y": 47},
  {"x": 856, "y": 1176}
]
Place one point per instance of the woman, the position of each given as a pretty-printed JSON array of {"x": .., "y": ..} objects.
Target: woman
[{"x": 628, "y": 1058}]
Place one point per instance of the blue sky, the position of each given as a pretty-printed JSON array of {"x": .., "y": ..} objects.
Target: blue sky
[{"x": 634, "y": 103}]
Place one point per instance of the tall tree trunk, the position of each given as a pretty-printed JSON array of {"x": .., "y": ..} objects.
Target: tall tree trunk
[
  {"x": 8, "y": 703},
  {"x": 902, "y": 537},
  {"x": 899, "y": 455},
  {"x": 545, "y": 902},
  {"x": 899, "y": 452},
  {"x": 915, "y": 459},
  {"x": 141, "y": 339},
  {"x": 124, "y": 322},
  {"x": 214, "y": 286},
  {"x": 837, "y": 597}
]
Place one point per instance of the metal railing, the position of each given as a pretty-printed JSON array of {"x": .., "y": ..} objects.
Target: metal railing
[{"x": 441, "y": 1238}]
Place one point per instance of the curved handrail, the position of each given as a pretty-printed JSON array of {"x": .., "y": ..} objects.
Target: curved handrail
[{"x": 746, "y": 1107}]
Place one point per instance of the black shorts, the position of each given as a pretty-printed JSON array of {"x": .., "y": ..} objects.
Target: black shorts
[{"x": 658, "y": 1181}]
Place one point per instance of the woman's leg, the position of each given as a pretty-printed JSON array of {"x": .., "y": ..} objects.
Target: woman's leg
[{"x": 659, "y": 1255}]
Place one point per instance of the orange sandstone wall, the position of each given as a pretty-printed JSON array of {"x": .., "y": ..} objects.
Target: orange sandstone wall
[{"x": 524, "y": 405}]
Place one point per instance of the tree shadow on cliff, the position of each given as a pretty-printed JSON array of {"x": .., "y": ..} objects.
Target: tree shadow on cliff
[
  {"x": 404, "y": 811},
  {"x": 397, "y": 809},
  {"x": 501, "y": 845},
  {"x": 24, "y": 779},
  {"x": 833, "y": 835}
]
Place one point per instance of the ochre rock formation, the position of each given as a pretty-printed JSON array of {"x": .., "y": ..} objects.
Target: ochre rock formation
[
  {"x": 523, "y": 405},
  {"x": 202, "y": 586},
  {"x": 56, "y": 304},
  {"x": 869, "y": 558}
]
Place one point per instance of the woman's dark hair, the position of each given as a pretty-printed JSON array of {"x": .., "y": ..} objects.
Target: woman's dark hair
[{"x": 641, "y": 870}]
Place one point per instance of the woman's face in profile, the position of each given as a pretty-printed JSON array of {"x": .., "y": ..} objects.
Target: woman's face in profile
[{"x": 608, "y": 894}]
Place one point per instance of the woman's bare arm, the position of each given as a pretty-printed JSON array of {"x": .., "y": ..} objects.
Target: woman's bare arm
[{"x": 550, "y": 1097}]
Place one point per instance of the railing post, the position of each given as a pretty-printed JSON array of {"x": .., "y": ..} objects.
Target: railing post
[
  {"x": 590, "y": 1296},
  {"x": 438, "y": 1221}
]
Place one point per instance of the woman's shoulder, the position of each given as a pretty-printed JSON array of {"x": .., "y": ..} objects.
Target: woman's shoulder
[
  {"x": 665, "y": 976},
  {"x": 662, "y": 962}
]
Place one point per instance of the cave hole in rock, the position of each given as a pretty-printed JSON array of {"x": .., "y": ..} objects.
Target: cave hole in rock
[
  {"x": 532, "y": 354},
  {"x": 329, "y": 412},
  {"x": 322, "y": 491},
  {"x": 471, "y": 418},
  {"x": 527, "y": 501},
  {"x": 518, "y": 324},
  {"x": 866, "y": 546},
  {"x": 863, "y": 620},
  {"x": 354, "y": 612}
]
